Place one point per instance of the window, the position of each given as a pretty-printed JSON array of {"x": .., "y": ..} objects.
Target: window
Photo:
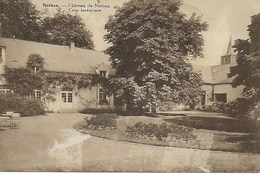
[
  {"x": 4, "y": 89},
  {"x": 36, "y": 69},
  {"x": 67, "y": 96},
  {"x": 226, "y": 60},
  {"x": 102, "y": 97},
  {"x": 36, "y": 94},
  {"x": 222, "y": 97},
  {"x": 103, "y": 73}
]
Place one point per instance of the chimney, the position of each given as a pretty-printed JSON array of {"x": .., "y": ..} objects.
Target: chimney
[{"x": 72, "y": 46}]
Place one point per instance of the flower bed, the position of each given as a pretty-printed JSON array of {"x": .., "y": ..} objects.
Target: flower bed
[
  {"x": 162, "y": 132},
  {"x": 101, "y": 122}
]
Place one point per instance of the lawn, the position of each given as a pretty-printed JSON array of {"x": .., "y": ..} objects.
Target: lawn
[{"x": 213, "y": 131}]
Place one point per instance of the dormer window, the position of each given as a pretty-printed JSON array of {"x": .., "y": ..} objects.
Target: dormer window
[
  {"x": 36, "y": 69},
  {"x": 103, "y": 73}
]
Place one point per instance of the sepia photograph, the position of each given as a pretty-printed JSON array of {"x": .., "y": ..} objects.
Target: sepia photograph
[{"x": 130, "y": 86}]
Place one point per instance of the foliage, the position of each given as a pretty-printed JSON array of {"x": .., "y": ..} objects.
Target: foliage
[
  {"x": 20, "y": 19},
  {"x": 151, "y": 41},
  {"x": 238, "y": 108},
  {"x": 22, "y": 81},
  {"x": 216, "y": 107},
  {"x": 97, "y": 110},
  {"x": 69, "y": 80},
  {"x": 24, "y": 105},
  {"x": 35, "y": 60},
  {"x": 171, "y": 106},
  {"x": 254, "y": 113},
  {"x": 161, "y": 132},
  {"x": 101, "y": 122},
  {"x": 247, "y": 70},
  {"x": 63, "y": 28}
]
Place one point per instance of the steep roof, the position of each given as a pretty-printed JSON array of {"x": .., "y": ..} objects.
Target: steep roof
[
  {"x": 57, "y": 58},
  {"x": 205, "y": 71},
  {"x": 217, "y": 74},
  {"x": 229, "y": 48},
  {"x": 220, "y": 73}
]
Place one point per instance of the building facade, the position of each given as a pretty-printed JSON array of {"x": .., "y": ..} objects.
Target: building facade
[
  {"x": 217, "y": 85},
  {"x": 69, "y": 59},
  {"x": 61, "y": 59}
]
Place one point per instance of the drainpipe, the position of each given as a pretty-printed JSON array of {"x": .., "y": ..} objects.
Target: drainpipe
[{"x": 212, "y": 94}]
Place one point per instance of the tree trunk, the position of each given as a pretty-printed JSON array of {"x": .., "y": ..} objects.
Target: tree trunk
[{"x": 153, "y": 109}]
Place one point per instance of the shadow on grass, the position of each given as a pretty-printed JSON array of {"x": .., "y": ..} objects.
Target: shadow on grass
[
  {"x": 171, "y": 114},
  {"x": 212, "y": 123},
  {"x": 247, "y": 143}
]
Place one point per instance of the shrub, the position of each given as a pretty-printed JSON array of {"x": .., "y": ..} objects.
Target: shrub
[
  {"x": 97, "y": 111},
  {"x": 24, "y": 105},
  {"x": 101, "y": 122},
  {"x": 254, "y": 113},
  {"x": 161, "y": 132},
  {"x": 237, "y": 108},
  {"x": 217, "y": 107}
]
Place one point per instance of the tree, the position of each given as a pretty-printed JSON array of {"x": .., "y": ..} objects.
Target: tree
[
  {"x": 247, "y": 70},
  {"x": 64, "y": 28},
  {"x": 20, "y": 19},
  {"x": 35, "y": 63},
  {"x": 151, "y": 42}
]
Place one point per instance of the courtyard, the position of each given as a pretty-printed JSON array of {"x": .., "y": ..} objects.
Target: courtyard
[{"x": 50, "y": 143}]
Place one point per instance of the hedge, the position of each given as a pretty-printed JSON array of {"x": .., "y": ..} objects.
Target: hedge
[{"x": 24, "y": 105}]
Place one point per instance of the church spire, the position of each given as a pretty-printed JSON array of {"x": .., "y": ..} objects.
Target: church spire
[
  {"x": 229, "y": 57},
  {"x": 230, "y": 49}
]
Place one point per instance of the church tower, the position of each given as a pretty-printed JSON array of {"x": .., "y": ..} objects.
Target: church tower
[{"x": 229, "y": 57}]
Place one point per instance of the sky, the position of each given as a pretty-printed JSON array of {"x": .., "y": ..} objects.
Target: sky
[{"x": 226, "y": 18}]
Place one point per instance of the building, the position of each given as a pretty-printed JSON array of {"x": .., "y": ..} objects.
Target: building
[
  {"x": 14, "y": 53},
  {"x": 217, "y": 85}
]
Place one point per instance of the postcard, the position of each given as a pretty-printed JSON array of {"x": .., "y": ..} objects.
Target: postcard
[{"x": 129, "y": 86}]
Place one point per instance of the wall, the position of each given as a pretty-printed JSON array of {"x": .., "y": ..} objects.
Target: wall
[
  {"x": 232, "y": 93},
  {"x": 82, "y": 98},
  {"x": 208, "y": 97}
]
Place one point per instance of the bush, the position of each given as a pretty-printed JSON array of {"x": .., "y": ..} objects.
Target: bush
[
  {"x": 161, "y": 132},
  {"x": 254, "y": 113},
  {"x": 101, "y": 122},
  {"x": 237, "y": 108},
  {"x": 97, "y": 111},
  {"x": 24, "y": 105},
  {"x": 215, "y": 107}
]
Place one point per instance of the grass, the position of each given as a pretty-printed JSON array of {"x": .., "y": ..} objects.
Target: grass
[
  {"x": 214, "y": 133},
  {"x": 212, "y": 123}
]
